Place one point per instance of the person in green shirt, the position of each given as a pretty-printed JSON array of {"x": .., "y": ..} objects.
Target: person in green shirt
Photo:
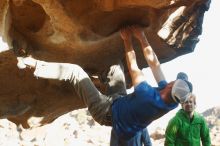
[{"x": 187, "y": 127}]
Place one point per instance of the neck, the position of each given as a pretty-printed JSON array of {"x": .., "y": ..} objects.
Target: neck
[{"x": 190, "y": 114}]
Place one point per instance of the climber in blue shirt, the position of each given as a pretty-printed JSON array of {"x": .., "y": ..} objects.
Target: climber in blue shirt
[
  {"x": 128, "y": 114},
  {"x": 133, "y": 112}
]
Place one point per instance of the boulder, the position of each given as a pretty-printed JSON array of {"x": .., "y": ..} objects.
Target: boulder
[{"x": 86, "y": 33}]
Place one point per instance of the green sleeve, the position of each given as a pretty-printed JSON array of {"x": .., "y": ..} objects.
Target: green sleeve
[
  {"x": 205, "y": 136},
  {"x": 171, "y": 132}
]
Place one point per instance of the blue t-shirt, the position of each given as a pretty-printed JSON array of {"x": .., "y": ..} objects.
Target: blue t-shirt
[{"x": 134, "y": 112}]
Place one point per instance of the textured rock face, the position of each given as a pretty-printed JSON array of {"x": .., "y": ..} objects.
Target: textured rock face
[{"x": 83, "y": 32}]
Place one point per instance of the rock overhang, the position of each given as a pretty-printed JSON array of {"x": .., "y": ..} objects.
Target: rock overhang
[{"x": 86, "y": 33}]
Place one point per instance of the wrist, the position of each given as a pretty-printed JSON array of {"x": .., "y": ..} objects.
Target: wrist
[
  {"x": 144, "y": 43},
  {"x": 127, "y": 41}
]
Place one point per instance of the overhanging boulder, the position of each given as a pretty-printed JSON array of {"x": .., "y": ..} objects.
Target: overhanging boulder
[{"x": 83, "y": 32}]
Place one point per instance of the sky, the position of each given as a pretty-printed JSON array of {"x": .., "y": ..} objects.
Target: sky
[{"x": 200, "y": 65}]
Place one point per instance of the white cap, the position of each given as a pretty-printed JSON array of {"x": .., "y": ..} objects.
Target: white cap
[{"x": 180, "y": 91}]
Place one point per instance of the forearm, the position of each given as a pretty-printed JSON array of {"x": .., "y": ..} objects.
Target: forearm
[
  {"x": 130, "y": 56},
  {"x": 206, "y": 141},
  {"x": 169, "y": 141},
  {"x": 169, "y": 138},
  {"x": 152, "y": 60},
  {"x": 171, "y": 133},
  {"x": 205, "y": 136},
  {"x": 131, "y": 61},
  {"x": 135, "y": 72},
  {"x": 149, "y": 53}
]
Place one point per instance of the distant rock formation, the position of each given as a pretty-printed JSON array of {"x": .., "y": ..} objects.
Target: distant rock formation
[
  {"x": 213, "y": 118},
  {"x": 213, "y": 112},
  {"x": 83, "y": 32}
]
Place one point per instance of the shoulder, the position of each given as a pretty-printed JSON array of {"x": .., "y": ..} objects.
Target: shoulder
[
  {"x": 142, "y": 85},
  {"x": 199, "y": 117},
  {"x": 176, "y": 119},
  {"x": 173, "y": 125},
  {"x": 162, "y": 84}
]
